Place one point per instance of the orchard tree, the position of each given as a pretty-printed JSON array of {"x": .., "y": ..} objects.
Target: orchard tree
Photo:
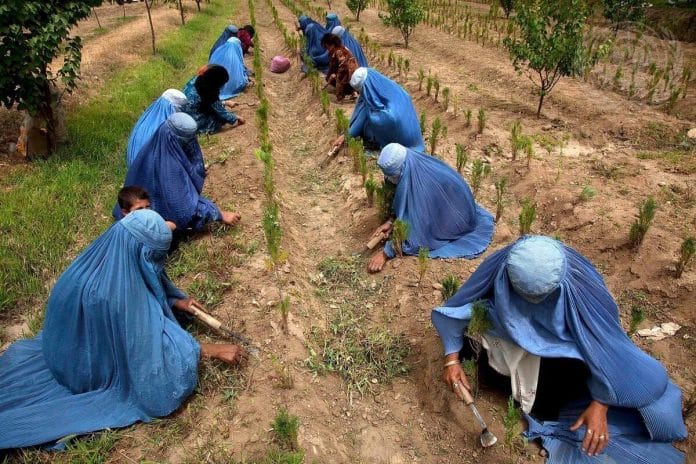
[
  {"x": 404, "y": 15},
  {"x": 550, "y": 45},
  {"x": 32, "y": 34},
  {"x": 356, "y": 6},
  {"x": 622, "y": 11},
  {"x": 507, "y": 5}
]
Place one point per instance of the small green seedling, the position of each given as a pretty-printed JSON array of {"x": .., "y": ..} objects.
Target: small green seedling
[
  {"x": 646, "y": 214},
  {"x": 423, "y": 122},
  {"x": 515, "y": 133},
  {"x": 450, "y": 285},
  {"x": 423, "y": 259},
  {"x": 286, "y": 427},
  {"x": 445, "y": 98},
  {"x": 527, "y": 216},
  {"x": 587, "y": 193},
  {"x": 342, "y": 122},
  {"x": 399, "y": 235},
  {"x": 370, "y": 189},
  {"x": 284, "y": 309},
  {"x": 467, "y": 118},
  {"x": 421, "y": 77},
  {"x": 686, "y": 254},
  {"x": 462, "y": 156},
  {"x": 482, "y": 118},
  {"x": 479, "y": 323},
  {"x": 479, "y": 171},
  {"x": 637, "y": 317},
  {"x": 435, "y": 134},
  {"x": 500, "y": 189}
]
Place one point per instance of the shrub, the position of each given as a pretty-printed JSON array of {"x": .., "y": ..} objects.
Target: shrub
[
  {"x": 622, "y": 11},
  {"x": 404, "y": 15},
  {"x": 356, "y": 149},
  {"x": 646, "y": 214},
  {"x": 515, "y": 133},
  {"x": 385, "y": 196},
  {"x": 511, "y": 421},
  {"x": 527, "y": 216},
  {"x": 686, "y": 254},
  {"x": 399, "y": 235},
  {"x": 356, "y": 6},
  {"x": 450, "y": 285},
  {"x": 325, "y": 103}
]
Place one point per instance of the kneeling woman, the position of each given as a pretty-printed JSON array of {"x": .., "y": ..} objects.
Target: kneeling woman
[
  {"x": 555, "y": 332},
  {"x": 204, "y": 104},
  {"x": 170, "y": 167},
  {"x": 111, "y": 352},
  {"x": 437, "y": 205},
  {"x": 383, "y": 114},
  {"x": 229, "y": 55}
]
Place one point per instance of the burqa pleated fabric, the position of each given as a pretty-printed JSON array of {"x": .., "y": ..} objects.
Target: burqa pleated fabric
[
  {"x": 437, "y": 204},
  {"x": 171, "y": 168},
  {"x": 577, "y": 319},
  {"x": 332, "y": 21},
  {"x": 170, "y": 102},
  {"x": 314, "y": 51},
  {"x": 384, "y": 112},
  {"x": 230, "y": 31},
  {"x": 305, "y": 21},
  {"x": 230, "y": 56},
  {"x": 111, "y": 352},
  {"x": 352, "y": 44}
]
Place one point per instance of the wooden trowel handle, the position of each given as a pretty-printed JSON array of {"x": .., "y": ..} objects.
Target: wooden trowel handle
[
  {"x": 376, "y": 240},
  {"x": 206, "y": 318},
  {"x": 468, "y": 399}
]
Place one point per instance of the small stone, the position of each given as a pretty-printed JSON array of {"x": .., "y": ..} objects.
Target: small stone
[
  {"x": 373, "y": 380},
  {"x": 692, "y": 133},
  {"x": 437, "y": 286}
]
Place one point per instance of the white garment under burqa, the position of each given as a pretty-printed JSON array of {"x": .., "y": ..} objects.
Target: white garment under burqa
[{"x": 522, "y": 367}]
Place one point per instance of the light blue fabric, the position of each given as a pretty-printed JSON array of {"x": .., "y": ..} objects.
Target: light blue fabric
[
  {"x": 535, "y": 283},
  {"x": 384, "y": 114},
  {"x": 170, "y": 102},
  {"x": 229, "y": 31},
  {"x": 230, "y": 56},
  {"x": 439, "y": 208},
  {"x": 111, "y": 352},
  {"x": 352, "y": 44},
  {"x": 578, "y": 320},
  {"x": 314, "y": 51},
  {"x": 332, "y": 21},
  {"x": 171, "y": 168}
]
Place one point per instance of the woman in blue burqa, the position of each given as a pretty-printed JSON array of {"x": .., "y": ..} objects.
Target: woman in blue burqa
[
  {"x": 590, "y": 395},
  {"x": 204, "y": 104},
  {"x": 229, "y": 56},
  {"x": 351, "y": 44},
  {"x": 170, "y": 168},
  {"x": 313, "y": 32},
  {"x": 228, "y": 32},
  {"x": 331, "y": 22},
  {"x": 170, "y": 102},
  {"x": 111, "y": 352},
  {"x": 436, "y": 204},
  {"x": 383, "y": 114}
]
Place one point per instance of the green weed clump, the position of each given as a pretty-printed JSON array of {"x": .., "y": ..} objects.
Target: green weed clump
[
  {"x": 286, "y": 428},
  {"x": 527, "y": 216},
  {"x": 370, "y": 188},
  {"x": 686, "y": 254},
  {"x": 479, "y": 323},
  {"x": 500, "y": 189},
  {"x": 342, "y": 122},
  {"x": 399, "y": 235},
  {"x": 450, "y": 285},
  {"x": 479, "y": 171},
  {"x": 462, "y": 156},
  {"x": 423, "y": 259},
  {"x": 646, "y": 214},
  {"x": 587, "y": 193},
  {"x": 435, "y": 134}
]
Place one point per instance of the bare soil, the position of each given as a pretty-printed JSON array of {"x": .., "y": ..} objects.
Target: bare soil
[{"x": 324, "y": 214}]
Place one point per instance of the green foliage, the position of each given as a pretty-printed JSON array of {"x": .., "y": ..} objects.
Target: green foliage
[
  {"x": 467, "y": 118},
  {"x": 511, "y": 421},
  {"x": 462, "y": 156},
  {"x": 587, "y": 193},
  {"x": 481, "y": 120},
  {"x": 357, "y": 152},
  {"x": 272, "y": 232},
  {"x": 423, "y": 258},
  {"x": 527, "y": 216},
  {"x": 623, "y": 11},
  {"x": 356, "y": 7},
  {"x": 285, "y": 428},
  {"x": 646, "y": 214},
  {"x": 325, "y": 103},
  {"x": 686, "y": 254},
  {"x": 526, "y": 144},
  {"x": 515, "y": 134},
  {"x": 436, "y": 86},
  {"x": 429, "y": 85},
  {"x": 385, "y": 196},
  {"x": 500, "y": 189},
  {"x": 551, "y": 42},
  {"x": 284, "y": 310},
  {"x": 450, "y": 285},
  {"x": 479, "y": 171},
  {"x": 435, "y": 134},
  {"x": 362, "y": 165},
  {"x": 423, "y": 122},
  {"x": 404, "y": 15},
  {"x": 342, "y": 122},
  {"x": 421, "y": 77},
  {"x": 399, "y": 235},
  {"x": 637, "y": 317},
  {"x": 445, "y": 98},
  {"x": 370, "y": 188},
  {"x": 479, "y": 323}
]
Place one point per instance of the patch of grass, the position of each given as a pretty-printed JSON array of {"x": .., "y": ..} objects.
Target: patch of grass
[
  {"x": 680, "y": 161},
  {"x": 208, "y": 289},
  {"x": 450, "y": 285},
  {"x": 94, "y": 449},
  {"x": 340, "y": 271},
  {"x": 52, "y": 209},
  {"x": 286, "y": 428}
]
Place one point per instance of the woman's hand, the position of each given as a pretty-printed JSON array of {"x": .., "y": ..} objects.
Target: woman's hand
[
  {"x": 339, "y": 141},
  {"x": 230, "y": 354},
  {"x": 240, "y": 121},
  {"x": 186, "y": 305},
  {"x": 597, "y": 429},
  {"x": 383, "y": 229},
  {"x": 453, "y": 375},
  {"x": 230, "y": 218}
]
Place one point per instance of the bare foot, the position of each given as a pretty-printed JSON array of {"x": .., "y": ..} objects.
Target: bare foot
[
  {"x": 230, "y": 218},
  {"x": 377, "y": 262},
  {"x": 230, "y": 354}
]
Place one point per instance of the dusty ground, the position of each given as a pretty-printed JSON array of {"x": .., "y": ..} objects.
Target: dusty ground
[{"x": 324, "y": 214}]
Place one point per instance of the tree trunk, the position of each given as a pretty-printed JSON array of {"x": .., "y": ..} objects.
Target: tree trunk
[
  {"x": 405, "y": 40},
  {"x": 181, "y": 10},
  {"x": 152, "y": 28},
  {"x": 198, "y": 4},
  {"x": 97, "y": 17},
  {"x": 541, "y": 102},
  {"x": 357, "y": 15}
]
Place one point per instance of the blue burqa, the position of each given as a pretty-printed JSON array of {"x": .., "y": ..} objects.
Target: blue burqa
[
  {"x": 437, "y": 204},
  {"x": 230, "y": 31},
  {"x": 305, "y": 21},
  {"x": 577, "y": 319},
  {"x": 384, "y": 112},
  {"x": 171, "y": 168},
  {"x": 314, "y": 51},
  {"x": 111, "y": 352},
  {"x": 352, "y": 44},
  {"x": 169, "y": 103},
  {"x": 332, "y": 21},
  {"x": 230, "y": 56}
]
